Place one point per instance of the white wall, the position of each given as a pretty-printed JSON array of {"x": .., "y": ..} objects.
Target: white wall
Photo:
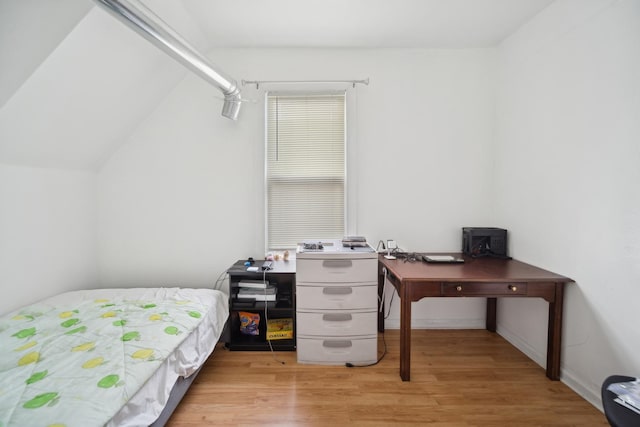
[
  {"x": 47, "y": 233},
  {"x": 183, "y": 198},
  {"x": 567, "y": 171}
]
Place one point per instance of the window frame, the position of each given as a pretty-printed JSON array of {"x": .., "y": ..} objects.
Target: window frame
[{"x": 348, "y": 190}]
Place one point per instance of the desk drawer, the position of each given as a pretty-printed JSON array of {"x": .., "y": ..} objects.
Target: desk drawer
[
  {"x": 481, "y": 289},
  {"x": 342, "y": 270}
]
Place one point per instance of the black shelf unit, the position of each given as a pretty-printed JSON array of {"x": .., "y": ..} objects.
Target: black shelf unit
[{"x": 283, "y": 277}]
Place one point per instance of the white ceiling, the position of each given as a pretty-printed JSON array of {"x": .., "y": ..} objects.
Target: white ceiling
[
  {"x": 31, "y": 29},
  {"x": 74, "y": 82},
  {"x": 361, "y": 23}
]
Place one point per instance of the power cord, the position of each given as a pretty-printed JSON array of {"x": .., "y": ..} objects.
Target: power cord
[
  {"x": 386, "y": 316},
  {"x": 220, "y": 280},
  {"x": 384, "y": 352},
  {"x": 266, "y": 316},
  {"x": 406, "y": 256},
  {"x": 384, "y": 341}
]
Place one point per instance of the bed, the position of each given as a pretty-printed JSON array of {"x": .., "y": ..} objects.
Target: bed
[{"x": 105, "y": 357}]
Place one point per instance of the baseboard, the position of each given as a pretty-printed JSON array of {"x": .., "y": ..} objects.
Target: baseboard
[
  {"x": 587, "y": 393},
  {"x": 567, "y": 376},
  {"x": 523, "y": 346},
  {"x": 438, "y": 323}
]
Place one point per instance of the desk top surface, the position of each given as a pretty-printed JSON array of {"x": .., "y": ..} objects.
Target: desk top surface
[{"x": 472, "y": 270}]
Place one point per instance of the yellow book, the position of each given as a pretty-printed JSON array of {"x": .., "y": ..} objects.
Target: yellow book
[{"x": 280, "y": 329}]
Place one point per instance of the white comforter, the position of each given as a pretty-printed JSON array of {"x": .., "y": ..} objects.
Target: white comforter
[{"x": 81, "y": 358}]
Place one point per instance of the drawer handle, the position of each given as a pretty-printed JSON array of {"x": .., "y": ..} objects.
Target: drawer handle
[
  {"x": 337, "y": 291},
  {"x": 459, "y": 288},
  {"x": 513, "y": 288},
  {"x": 337, "y": 317},
  {"x": 336, "y": 344},
  {"x": 337, "y": 263}
]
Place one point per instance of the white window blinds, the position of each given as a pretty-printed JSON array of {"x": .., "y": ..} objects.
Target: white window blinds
[{"x": 305, "y": 168}]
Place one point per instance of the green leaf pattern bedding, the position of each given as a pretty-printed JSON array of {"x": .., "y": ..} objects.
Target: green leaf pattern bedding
[{"x": 76, "y": 364}]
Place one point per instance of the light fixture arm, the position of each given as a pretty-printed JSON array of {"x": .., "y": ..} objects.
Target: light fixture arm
[{"x": 141, "y": 19}]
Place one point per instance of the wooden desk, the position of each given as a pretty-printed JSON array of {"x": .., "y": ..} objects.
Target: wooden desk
[{"x": 488, "y": 278}]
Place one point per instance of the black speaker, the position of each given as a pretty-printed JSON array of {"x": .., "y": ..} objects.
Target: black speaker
[{"x": 484, "y": 241}]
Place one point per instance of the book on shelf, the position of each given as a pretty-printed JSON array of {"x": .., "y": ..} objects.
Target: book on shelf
[
  {"x": 266, "y": 294},
  {"x": 259, "y": 297},
  {"x": 269, "y": 290},
  {"x": 254, "y": 284},
  {"x": 280, "y": 329}
]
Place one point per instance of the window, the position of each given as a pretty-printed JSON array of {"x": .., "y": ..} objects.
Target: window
[{"x": 305, "y": 167}]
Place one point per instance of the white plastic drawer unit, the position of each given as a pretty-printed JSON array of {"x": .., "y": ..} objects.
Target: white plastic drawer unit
[
  {"x": 336, "y": 270},
  {"x": 334, "y": 297},
  {"x": 336, "y": 305},
  {"x": 337, "y": 350},
  {"x": 338, "y": 323}
]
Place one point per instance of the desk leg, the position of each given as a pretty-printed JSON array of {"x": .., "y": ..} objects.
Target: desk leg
[
  {"x": 405, "y": 335},
  {"x": 554, "y": 333},
  {"x": 491, "y": 314}
]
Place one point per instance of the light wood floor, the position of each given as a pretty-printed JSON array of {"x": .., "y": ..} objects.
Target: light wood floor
[{"x": 458, "y": 378}]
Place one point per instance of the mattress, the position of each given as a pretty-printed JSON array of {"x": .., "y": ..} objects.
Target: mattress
[{"x": 104, "y": 357}]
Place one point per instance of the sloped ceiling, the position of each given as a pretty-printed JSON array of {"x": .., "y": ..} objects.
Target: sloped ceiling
[
  {"x": 29, "y": 31},
  {"x": 89, "y": 92},
  {"x": 75, "y": 82}
]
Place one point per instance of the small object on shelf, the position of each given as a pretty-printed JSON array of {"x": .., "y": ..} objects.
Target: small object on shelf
[
  {"x": 354, "y": 242},
  {"x": 267, "y": 290},
  {"x": 249, "y": 323},
  {"x": 266, "y": 294},
  {"x": 280, "y": 329},
  {"x": 255, "y": 284},
  {"x": 259, "y": 297}
]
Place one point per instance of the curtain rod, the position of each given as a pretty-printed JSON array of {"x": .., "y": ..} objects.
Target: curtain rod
[{"x": 259, "y": 82}]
